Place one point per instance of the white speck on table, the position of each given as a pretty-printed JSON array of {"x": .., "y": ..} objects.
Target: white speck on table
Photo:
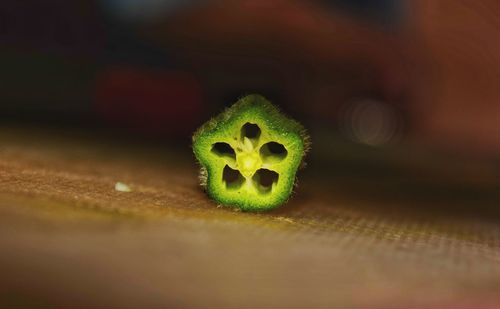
[{"x": 121, "y": 187}]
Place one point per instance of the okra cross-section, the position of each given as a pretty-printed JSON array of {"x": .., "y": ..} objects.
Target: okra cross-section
[{"x": 250, "y": 154}]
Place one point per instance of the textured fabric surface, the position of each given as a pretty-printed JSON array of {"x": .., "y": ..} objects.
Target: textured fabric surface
[{"x": 68, "y": 238}]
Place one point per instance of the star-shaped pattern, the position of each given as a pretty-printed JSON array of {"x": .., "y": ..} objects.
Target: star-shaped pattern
[{"x": 249, "y": 155}]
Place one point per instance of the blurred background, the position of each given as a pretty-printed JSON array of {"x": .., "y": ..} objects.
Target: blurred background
[
  {"x": 403, "y": 91},
  {"x": 381, "y": 85},
  {"x": 397, "y": 208},
  {"x": 369, "y": 72}
]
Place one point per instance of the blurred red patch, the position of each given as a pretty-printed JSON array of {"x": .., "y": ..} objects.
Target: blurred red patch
[{"x": 149, "y": 101}]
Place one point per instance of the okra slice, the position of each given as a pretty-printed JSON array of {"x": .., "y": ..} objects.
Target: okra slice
[{"x": 250, "y": 154}]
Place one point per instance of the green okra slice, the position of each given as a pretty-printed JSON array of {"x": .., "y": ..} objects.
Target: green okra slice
[{"x": 250, "y": 154}]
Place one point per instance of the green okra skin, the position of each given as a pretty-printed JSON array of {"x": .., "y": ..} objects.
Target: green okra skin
[{"x": 250, "y": 154}]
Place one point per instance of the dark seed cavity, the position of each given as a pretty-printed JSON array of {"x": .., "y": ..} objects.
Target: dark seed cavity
[
  {"x": 273, "y": 152},
  {"x": 251, "y": 131},
  {"x": 264, "y": 179},
  {"x": 232, "y": 178},
  {"x": 224, "y": 150}
]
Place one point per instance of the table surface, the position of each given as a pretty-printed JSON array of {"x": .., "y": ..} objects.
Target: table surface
[{"x": 68, "y": 238}]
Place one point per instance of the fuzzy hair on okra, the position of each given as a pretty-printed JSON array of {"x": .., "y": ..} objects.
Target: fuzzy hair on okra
[{"x": 249, "y": 155}]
